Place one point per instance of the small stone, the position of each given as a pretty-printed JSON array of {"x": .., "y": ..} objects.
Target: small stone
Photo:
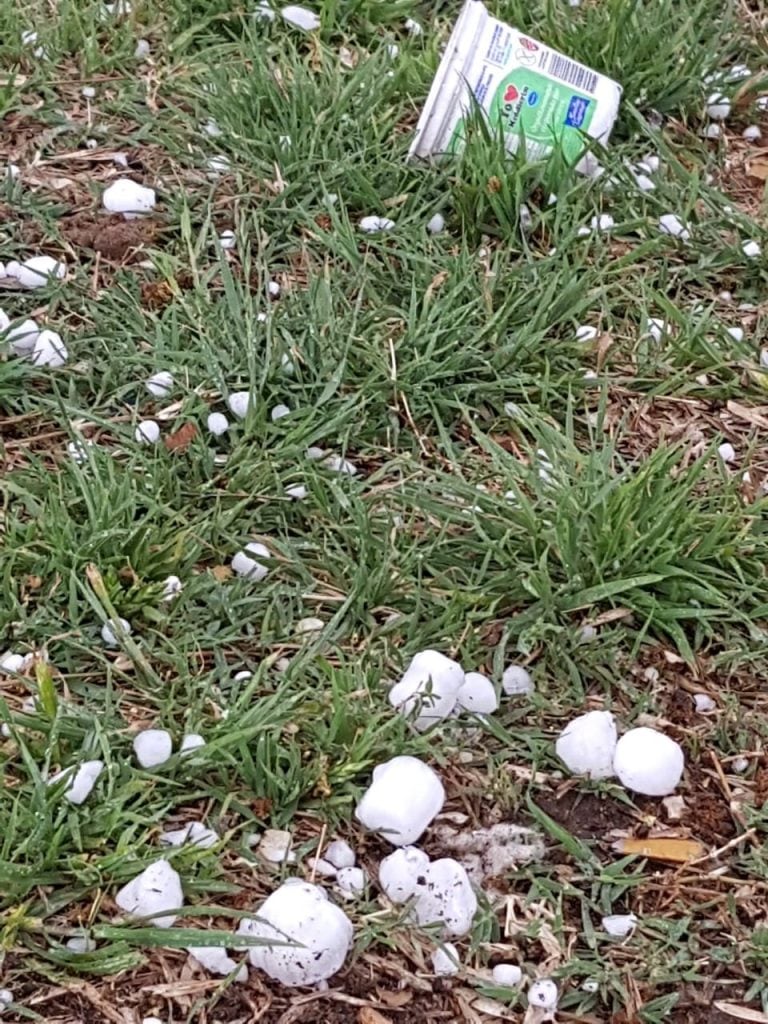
[
  {"x": 152, "y": 747},
  {"x": 275, "y": 847}
]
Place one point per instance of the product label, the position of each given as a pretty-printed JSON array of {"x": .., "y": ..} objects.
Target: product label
[{"x": 531, "y": 105}]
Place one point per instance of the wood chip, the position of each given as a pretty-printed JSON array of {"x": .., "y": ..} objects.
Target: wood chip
[
  {"x": 741, "y": 1012},
  {"x": 182, "y": 438},
  {"x": 368, "y": 1015},
  {"x": 670, "y": 851}
]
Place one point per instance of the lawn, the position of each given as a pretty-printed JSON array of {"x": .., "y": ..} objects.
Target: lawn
[{"x": 456, "y": 468}]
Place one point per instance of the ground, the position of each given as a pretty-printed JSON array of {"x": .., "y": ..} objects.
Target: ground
[{"x": 514, "y": 486}]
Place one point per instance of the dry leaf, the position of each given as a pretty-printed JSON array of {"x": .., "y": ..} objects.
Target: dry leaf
[
  {"x": 368, "y": 1015},
  {"x": 182, "y": 438},
  {"x": 394, "y": 999},
  {"x": 221, "y": 573},
  {"x": 753, "y": 416},
  {"x": 604, "y": 343},
  {"x": 758, "y": 168},
  {"x": 671, "y": 851},
  {"x": 741, "y": 1012}
]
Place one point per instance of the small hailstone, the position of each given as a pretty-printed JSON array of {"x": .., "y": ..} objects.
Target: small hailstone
[
  {"x": 338, "y": 464},
  {"x": 740, "y": 764},
  {"x": 656, "y": 328},
  {"x": 591, "y": 985},
  {"x": 516, "y": 681},
  {"x": 285, "y": 141},
  {"x": 279, "y": 412},
  {"x": 147, "y": 432},
  {"x": 320, "y": 866},
  {"x": 238, "y": 403},
  {"x": 703, "y": 380},
  {"x": 725, "y": 296},
  {"x": 587, "y": 745},
  {"x": 644, "y": 183},
  {"x": 172, "y": 588},
  {"x": 218, "y": 164},
  {"x": 88, "y": 92},
  {"x": 244, "y": 565},
  {"x": 142, "y": 50},
  {"x": 194, "y": 834},
  {"x": 297, "y": 491},
  {"x": 427, "y": 690},
  {"x": 273, "y": 288},
  {"x": 400, "y": 871},
  {"x": 309, "y": 625},
  {"x": 648, "y": 762},
  {"x": 28, "y": 37},
  {"x": 718, "y": 106},
  {"x": 228, "y": 240},
  {"x": 583, "y": 232},
  {"x": 713, "y": 131},
  {"x": 412, "y": 27},
  {"x": 372, "y": 225},
  {"x": 160, "y": 384},
  {"x": 155, "y": 890},
  {"x": 404, "y": 797},
  {"x": 14, "y": 663},
  {"x": 6, "y": 998},
  {"x": 477, "y": 694},
  {"x": 300, "y": 17},
  {"x": 436, "y": 224},
  {"x": 340, "y": 854},
  {"x": 192, "y": 741},
  {"x": 763, "y": 357},
  {"x": 211, "y": 128},
  {"x": 587, "y": 633},
  {"x": 311, "y": 936},
  {"x": 287, "y": 365},
  {"x": 81, "y": 781},
  {"x": 264, "y": 11},
  {"x": 37, "y": 271},
  {"x": 619, "y": 925},
  {"x": 752, "y": 133},
  {"x": 739, "y": 72},
  {"x": 603, "y": 222},
  {"x": 152, "y": 747},
  {"x": 215, "y": 960},
  {"x": 586, "y": 333},
  {"x": 91, "y": 144},
  {"x": 242, "y": 676},
  {"x": 543, "y": 993},
  {"x": 351, "y": 882},
  {"x": 670, "y": 224},
  {"x": 444, "y": 895},
  {"x": 393, "y": 50},
  {"x": 217, "y": 423},
  {"x": 80, "y": 944},
  {"x": 129, "y": 198},
  {"x": 445, "y": 961},
  {"x": 49, "y": 350},
  {"x": 78, "y": 451},
  {"x": 109, "y": 631},
  {"x": 737, "y": 333},
  {"x": 703, "y": 702},
  {"x": 751, "y": 249},
  {"x": 726, "y": 451},
  {"x": 507, "y": 975},
  {"x": 762, "y": 103},
  {"x": 314, "y": 454}
]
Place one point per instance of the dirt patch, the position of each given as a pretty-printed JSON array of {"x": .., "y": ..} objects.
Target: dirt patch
[
  {"x": 707, "y": 813},
  {"x": 585, "y": 815},
  {"x": 116, "y": 239}
]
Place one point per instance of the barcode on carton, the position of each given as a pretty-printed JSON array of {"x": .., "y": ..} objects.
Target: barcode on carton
[{"x": 574, "y": 74}]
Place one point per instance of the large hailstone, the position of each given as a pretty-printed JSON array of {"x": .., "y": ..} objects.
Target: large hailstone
[
  {"x": 428, "y": 689},
  {"x": 37, "y": 271},
  {"x": 156, "y": 889},
  {"x": 49, "y": 350},
  {"x": 82, "y": 779},
  {"x": 648, "y": 762},
  {"x": 588, "y": 743},
  {"x": 299, "y": 912},
  {"x": 129, "y": 198},
  {"x": 402, "y": 800},
  {"x": 444, "y": 895}
]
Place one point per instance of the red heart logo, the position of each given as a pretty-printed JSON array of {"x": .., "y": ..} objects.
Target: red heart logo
[{"x": 511, "y": 94}]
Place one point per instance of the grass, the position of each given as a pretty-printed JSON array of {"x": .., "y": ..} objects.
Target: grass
[{"x": 447, "y": 369}]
